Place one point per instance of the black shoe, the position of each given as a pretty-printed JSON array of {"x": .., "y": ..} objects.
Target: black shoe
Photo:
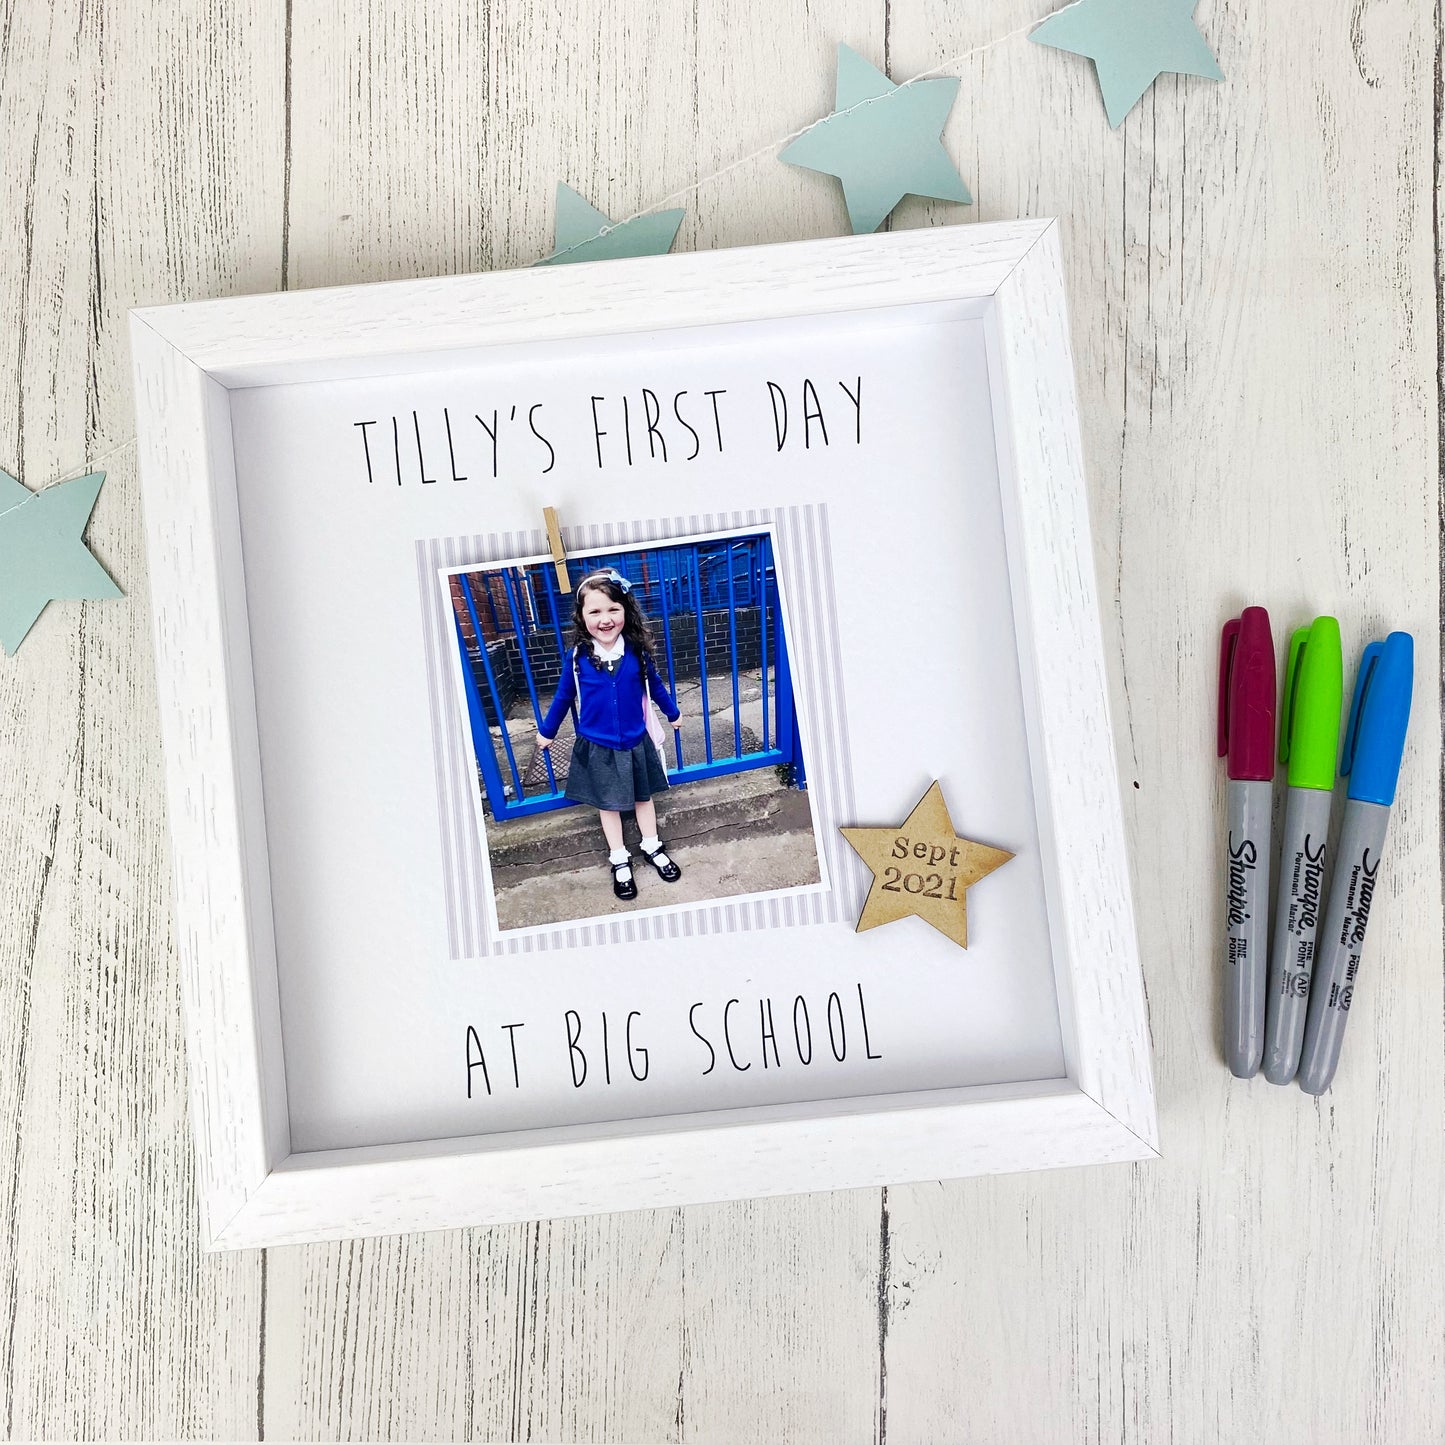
[
  {"x": 667, "y": 870},
  {"x": 625, "y": 889}
]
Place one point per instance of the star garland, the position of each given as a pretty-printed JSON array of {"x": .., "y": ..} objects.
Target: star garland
[{"x": 884, "y": 141}]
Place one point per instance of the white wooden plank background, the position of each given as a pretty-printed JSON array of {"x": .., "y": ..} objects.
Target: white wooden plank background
[{"x": 1256, "y": 296}]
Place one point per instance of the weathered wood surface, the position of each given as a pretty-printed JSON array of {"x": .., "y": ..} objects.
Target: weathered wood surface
[{"x": 1254, "y": 283}]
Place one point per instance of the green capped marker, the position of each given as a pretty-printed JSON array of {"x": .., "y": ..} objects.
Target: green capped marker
[{"x": 1309, "y": 740}]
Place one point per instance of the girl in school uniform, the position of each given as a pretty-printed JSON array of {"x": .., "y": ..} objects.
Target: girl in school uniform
[{"x": 616, "y": 766}]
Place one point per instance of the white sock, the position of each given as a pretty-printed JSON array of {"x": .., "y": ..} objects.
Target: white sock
[
  {"x": 618, "y": 855},
  {"x": 652, "y": 844}
]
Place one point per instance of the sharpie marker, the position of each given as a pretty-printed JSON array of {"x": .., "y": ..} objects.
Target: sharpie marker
[
  {"x": 1309, "y": 741},
  {"x": 1374, "y": 743},
  {"x": 1246, "y": 737}
]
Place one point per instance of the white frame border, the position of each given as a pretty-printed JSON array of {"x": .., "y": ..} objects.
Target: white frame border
[{"x": 253, "y": 1190}]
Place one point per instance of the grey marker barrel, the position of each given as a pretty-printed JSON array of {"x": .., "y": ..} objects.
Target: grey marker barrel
[
  {"x": 1352, "y": 890},
  {"x": 1246, "y": 911},
  {"x": 1297, "y": 915}
]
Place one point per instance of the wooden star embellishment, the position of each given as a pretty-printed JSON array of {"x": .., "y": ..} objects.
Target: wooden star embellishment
[{"x": 922, "y": 867}]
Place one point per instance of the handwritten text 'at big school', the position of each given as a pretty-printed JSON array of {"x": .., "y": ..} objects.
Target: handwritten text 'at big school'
[
  {"x": 644, "y": 428},
  {"x": 600, "y": 1048}
]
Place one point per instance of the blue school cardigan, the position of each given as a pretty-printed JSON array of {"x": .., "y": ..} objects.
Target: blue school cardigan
[{"x": 611, "y": 703}]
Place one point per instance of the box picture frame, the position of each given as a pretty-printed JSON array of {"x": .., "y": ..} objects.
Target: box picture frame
[{"x": 254, "y": 1189}]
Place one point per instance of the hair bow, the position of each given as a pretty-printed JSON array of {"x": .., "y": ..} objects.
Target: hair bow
[{"x": 618, "y": 580}]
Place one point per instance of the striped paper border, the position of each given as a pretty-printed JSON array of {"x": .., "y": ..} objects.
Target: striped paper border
[{"x": 803, "y": 556}]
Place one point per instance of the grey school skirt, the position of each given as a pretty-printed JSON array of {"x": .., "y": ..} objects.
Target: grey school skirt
[{"x": 613, "y": 779}]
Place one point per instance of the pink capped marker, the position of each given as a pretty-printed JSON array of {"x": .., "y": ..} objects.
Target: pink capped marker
[{"x": 1247, "y": 738}]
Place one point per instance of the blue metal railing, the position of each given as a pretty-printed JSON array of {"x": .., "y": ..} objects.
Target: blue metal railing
[{"x": 513, "y": 665}]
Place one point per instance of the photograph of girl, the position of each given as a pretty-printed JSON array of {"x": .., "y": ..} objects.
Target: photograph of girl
[
  {"x": 617, "y": 763},
  {"x": 658, "y": 672}
]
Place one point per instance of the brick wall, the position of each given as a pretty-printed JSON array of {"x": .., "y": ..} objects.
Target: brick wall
[
  {"x": 715, "y": 637},
  {"x": 483, "y": 588}
]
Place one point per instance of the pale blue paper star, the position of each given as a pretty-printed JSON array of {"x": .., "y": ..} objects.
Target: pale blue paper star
[
  {"x": 883, "y": 141},
  {"x": 1132, "y": 43},
  {"x": 579, "y": 232},
  {"x": 43, "y": 557}
]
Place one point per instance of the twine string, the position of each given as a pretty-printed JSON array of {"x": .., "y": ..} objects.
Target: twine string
[{"x": 71, "y": 474}]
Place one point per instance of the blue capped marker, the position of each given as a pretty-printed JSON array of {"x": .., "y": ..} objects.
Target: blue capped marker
[{"x": 1374, "y": 745}]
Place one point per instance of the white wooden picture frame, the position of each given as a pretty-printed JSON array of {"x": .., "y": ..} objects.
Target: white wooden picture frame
[{"x": 255, "y": 1189}]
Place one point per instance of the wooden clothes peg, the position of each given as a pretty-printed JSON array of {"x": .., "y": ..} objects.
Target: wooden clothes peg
[{"x": 559, "y": 552}]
